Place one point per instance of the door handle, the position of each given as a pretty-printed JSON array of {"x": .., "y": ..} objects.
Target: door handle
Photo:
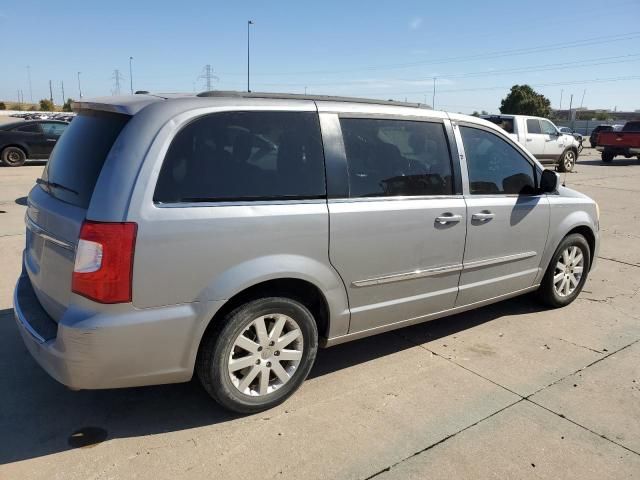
[
  {"x": 51, "y": 139},
  {"x": 444, "y": 219},
  {"x": 529, "y": 139},
  {"x": 482, "y": 216}
]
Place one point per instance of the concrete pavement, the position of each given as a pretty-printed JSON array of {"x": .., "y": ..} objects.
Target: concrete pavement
[{"x": 507, "y": 391}]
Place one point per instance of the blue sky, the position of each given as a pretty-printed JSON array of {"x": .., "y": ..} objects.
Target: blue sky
[{"x": 382, "y": 49}]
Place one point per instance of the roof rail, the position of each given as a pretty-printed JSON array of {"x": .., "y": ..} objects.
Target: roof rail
[{"x": 298, "y": 96}]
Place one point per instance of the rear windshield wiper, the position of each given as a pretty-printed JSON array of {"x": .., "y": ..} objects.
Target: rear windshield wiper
[{"x": 47, "y": 183}]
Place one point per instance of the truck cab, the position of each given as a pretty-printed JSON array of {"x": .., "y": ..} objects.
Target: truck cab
[{"x": 541, "y": 137}]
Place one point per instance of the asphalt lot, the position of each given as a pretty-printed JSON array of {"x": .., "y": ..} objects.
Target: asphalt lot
[{"x": 508, "y": 391}]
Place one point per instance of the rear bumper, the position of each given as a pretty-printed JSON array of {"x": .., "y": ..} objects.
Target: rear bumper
[
  {"x": 126, "y": 348},
  {"x": 620, "y": 150}
]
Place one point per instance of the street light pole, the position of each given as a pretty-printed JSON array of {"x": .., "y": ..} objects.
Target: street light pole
[
  {"x": 433, "y": 98},
  {"x": 131, "y": 74},
  {"x": 79, "y": 87},
  {"x": 29, "y": 77},
  {"x": 249, "y": 23}
]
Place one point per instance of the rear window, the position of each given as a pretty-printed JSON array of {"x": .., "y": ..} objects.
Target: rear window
[
  {"x": 533, "y": 125},
  {"x": 631, "y": 127},
  {"x": 78, "y": 157}
]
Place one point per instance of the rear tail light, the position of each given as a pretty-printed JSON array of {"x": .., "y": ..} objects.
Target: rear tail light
[{"x": 104, "y": 261}]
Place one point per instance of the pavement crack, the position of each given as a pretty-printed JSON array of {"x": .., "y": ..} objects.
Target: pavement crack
[
  {"x": 604, "y": 357},
  {"x": 619, "y": 261},
  {"x": 564, "y": 417},
  {"x": 578, "y": 345},
  {"x": 435, "y": 444},
  {"x": 459, "y": 365}
]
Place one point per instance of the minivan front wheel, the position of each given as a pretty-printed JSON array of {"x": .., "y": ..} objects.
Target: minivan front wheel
[
  {"x": 13, "y": 157},
  {"x": 259, "y": 354},
  {"x": 567, "y": 272},
  {"x": 568, "y": 161}
]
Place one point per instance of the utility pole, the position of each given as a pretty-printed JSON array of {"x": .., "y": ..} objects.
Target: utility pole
[
  {"x": 582, "y": 101},
  {"x": 50, "y": 92},
  {"x": 79, "y": 87},
  {"x": 19, "y": 101},
  {"x": 131, "y": 74},
  {"x": 561, "y": 92},
  {"x": 62, "y": 87},
  {"x": 116, "y": 77},
  {"x": 29, "y": 77},
  {"x": 433, "y": 98},
  {"x": 249, "y": 23},
  {"x": 570, "y": 104}
]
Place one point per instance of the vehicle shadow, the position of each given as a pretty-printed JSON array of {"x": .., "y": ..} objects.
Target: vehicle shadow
[
  {"x": 617, "y": 162},
  {"x": 38, "y": 415},
  {"x": 29, "y": 163}
]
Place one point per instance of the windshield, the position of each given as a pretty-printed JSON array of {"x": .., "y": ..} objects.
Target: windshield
[{"x": 78, "y": 157}]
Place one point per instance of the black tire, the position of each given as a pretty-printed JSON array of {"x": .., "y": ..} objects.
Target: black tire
[
  {"x": 607, "y": 157},
  {"x": 212, "y": 365},
  {"x": 13, "y": 156},
  {"x": 547, "y": 293},
  {"x": 567, "y": 161}
]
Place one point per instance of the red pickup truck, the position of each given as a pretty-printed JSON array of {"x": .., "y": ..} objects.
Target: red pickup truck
[{"x": 625, "y": 142}]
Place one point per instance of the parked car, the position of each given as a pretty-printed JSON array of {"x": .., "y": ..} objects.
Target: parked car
[
  {"x": 568, "y": 131},
  {"x": 541, "y": 137},
  {"x": 231, "y": 234},
  {"x": 625, "y": 142},
  {"x": 31, "y": 139}
]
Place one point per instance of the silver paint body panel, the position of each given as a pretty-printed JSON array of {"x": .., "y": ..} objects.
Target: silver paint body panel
[{"x": 380, "y": 263}]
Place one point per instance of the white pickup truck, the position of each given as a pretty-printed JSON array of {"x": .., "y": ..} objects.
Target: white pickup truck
[{"x": 541, "y": 137}]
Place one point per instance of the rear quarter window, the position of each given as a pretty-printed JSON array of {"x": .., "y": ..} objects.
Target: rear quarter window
[
  {"x": 78, "y": 157},
  {"x": 244, "y": 156}
]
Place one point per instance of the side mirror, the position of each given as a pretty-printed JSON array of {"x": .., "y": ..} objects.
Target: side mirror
[{"x": 548, "y": 181}]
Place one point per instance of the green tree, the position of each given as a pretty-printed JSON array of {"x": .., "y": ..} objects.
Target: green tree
[
  {"x": 46, "y": 105},
  {"x": 523, "y": 100},
  {"x": 602, "y": 116},
  {"x": 3, "y": 106},
  {"x": 67, "y": 107},
  {"x": 475, "y": 114}
]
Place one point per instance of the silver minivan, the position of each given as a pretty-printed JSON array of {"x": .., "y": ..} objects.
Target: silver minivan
[{"x": 231, "y": 234}]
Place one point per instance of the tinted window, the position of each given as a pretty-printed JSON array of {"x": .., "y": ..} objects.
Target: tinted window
[
  {"x": 533, "y": 126},
  {"x": 548, "y": 128},
  {"x": 77, "y": 159},
  {"x": 54, "y": 129},
  {"x": 631, "y": 127},
  {"x": 30, "y": 128},
  {"x": 494, "y": 166},
  {"x": 244, "y": 156},
  {"x": 396, "y": 157},
  {"x": 506, "y": 123}
]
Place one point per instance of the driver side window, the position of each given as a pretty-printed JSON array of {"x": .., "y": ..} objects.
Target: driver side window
[
  {"x": 547, "y": 127},
  {"x": 494, "y": 166}
]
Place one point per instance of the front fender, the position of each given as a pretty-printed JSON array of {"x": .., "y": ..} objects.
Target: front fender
[{"x": 565, "y": 218}]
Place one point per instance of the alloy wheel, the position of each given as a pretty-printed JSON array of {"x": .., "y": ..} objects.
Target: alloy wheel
[
  {"x": 568, "y": 271},
  {"x": 266, "y": 354}
]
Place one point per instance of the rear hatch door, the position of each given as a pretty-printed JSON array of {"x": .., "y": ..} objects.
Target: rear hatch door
[{"x": 58, "y": 204}]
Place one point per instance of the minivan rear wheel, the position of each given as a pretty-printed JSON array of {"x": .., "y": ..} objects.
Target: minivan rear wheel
[
  {"x": 259, "y": 354},
  {"x": 567, "y": 272},
  {"x": 13, "y": 156}
]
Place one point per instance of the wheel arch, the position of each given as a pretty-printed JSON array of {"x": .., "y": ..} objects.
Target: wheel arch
[{"x": 21, "y": 146}]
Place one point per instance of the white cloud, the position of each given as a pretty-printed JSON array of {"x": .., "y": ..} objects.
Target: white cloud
[{"x": 415, "y": 23}]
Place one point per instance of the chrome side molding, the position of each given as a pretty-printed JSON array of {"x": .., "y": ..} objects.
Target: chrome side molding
[{"x": 428, "y": 272}]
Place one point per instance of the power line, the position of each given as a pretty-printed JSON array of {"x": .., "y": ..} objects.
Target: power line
[
  {"x": 528, "y": 69},
  {"x": 489, "y": 55}
]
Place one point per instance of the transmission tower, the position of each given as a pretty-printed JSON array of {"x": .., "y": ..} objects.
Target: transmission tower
[
  {"x": 116, "y": 77},
  {"x": 207, "y": 75}
]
